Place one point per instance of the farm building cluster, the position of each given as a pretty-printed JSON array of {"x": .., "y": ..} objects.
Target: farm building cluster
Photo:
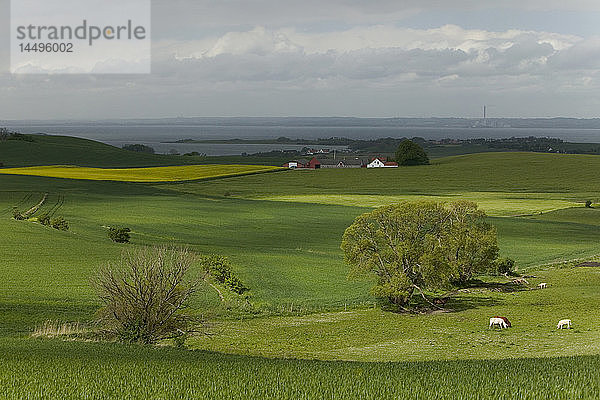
[{"x": 314, "y": 163}]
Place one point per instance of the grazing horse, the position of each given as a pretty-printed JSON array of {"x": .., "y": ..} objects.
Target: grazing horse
[
  {"x": 564, "y": 322},
  {"x": 542, "y": 285},
  {"x": 502, "y": 322}
]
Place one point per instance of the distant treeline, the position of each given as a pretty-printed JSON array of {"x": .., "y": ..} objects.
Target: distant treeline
[
  {"x": 539, "y": 144},
  {"x": 140, "y": 148},
  {"x": 531, "y": 143},
  {"x": 389, "y": 145}
]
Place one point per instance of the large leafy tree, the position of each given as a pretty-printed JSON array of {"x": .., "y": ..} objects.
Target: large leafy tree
[
  {"x": 411, "y": 153},
  {"x": 411, "y": 247}
]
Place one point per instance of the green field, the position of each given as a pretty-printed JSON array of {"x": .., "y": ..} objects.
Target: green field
[
  {"x": 494, "y": 203},
  {"x": 51, "y": 370},
  {"x": 374, "y": 335},
  {"x": 149, "y": 174},
  {"x": 282, "y": 232}
]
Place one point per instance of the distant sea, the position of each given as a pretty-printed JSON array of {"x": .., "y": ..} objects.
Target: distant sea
[{"x": 155, "y": 135}]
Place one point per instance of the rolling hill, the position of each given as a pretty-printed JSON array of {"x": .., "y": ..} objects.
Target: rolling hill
[
  {"x": 66, "y": 150},
  {"x": 301, "y": 303}
]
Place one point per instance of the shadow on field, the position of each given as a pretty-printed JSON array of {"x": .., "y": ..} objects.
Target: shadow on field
[
  {"x": 477, "y": 293},
  {"x": 20, "y": 318},
  {"x": 462, "y": 303},
  {"x": 505, "y": 287},
  {"x": 458, "y": 301}
]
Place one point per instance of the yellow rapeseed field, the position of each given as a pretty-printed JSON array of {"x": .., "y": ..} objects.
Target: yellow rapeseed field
[{"x": 150, "y": 174}]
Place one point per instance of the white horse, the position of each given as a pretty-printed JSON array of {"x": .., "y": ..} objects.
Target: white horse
[
  {"x": 499, "y": 322},
  {"x": 564, "y": 322}
]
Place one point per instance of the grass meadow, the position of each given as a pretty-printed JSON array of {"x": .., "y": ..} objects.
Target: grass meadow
[
  {"x": 71, "y": 370},
  {"x": 311, "y": 333},
  {"x": 375, "y": 335},
  {"x": 494, "y": 203},
  {"x": 515, "y": 173}
]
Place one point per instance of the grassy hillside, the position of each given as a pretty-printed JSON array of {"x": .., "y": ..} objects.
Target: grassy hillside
[
  {"x": 287, "y": 253},
  {"x": 487, "y": 172},
  {"x": 374, "y": 335},
  {"x": 66, "y": 150}
]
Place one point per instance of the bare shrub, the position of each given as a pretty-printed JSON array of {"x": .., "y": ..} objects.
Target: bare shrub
[{"x": 144, "y": 295}]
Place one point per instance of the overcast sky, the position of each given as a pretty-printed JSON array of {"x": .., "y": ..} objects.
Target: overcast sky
[{"x": 377, "y": 58}]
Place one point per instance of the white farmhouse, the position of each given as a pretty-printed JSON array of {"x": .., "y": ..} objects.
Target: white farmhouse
[{"x": 382, "y": 163}]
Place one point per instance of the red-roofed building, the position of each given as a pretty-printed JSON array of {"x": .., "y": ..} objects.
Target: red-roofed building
[{"x": 314, "y": 164}]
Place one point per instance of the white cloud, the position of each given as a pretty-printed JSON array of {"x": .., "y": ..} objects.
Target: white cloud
[
  {"x": 376, "y": 70},
  {"x": 373, "y": 53},
  {"x": 258, "y": 41},
  {"x": 262, "y": 41}
]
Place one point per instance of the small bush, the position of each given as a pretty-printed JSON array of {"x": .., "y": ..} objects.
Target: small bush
[
  {"x": 235, "y": 284},
  {"x": 588, "y": 204},
  {"x": 505, "y": 266},
  {"x": 59, "y": 223},
  {"x": 144, "y": 295},
  {"x": 18, "y": 215},
  {"x": 219, "y": 268},
  {"x": 44, "y": 219},
  {"x": 119, "y": 234},
  {"x": 179, "y": 340}
]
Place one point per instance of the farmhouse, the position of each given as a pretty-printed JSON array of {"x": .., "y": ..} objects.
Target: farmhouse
[
  {"x": 381, "y": 162},
  {"x": 313, "y": 164},
  {"x": 353, "y": 163},
  {"x": 378, "y": 162}
]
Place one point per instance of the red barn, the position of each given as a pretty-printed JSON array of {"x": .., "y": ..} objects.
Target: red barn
[{"x": 313, "y": 164}]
